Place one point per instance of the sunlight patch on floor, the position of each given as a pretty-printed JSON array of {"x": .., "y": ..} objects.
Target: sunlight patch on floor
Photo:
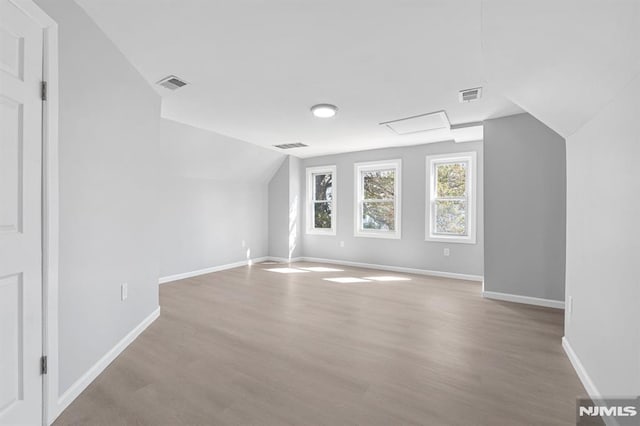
[
  {"x": 387, "y": 278},
  {"x": 321, "y": 269},
  {"x": 346, "y": 280},
  {"x": 286, "y": 270}
]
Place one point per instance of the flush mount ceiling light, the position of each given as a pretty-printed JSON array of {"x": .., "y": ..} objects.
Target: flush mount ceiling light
[{"x": 324, "y": 110}]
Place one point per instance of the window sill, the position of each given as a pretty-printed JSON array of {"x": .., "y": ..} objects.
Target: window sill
[
  {"x": 452, "y": 240},
  {"x": 388, "y": 236},
  {"x": 329, "y": 233}
]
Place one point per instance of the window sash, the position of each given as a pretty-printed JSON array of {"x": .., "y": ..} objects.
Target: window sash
[
  {"x": 437, "y": 198},
  {"x": 467, "y": 199},
  {"x": 434, "y": 215},
  {"x": 313, "y": 185},
  {"x": 362, "y": 171},
  {"x": 312, "y": 201}
]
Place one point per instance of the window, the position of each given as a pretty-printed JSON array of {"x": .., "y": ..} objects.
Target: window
[
  {"x": 451, "y": 210},
  {"x": 321, "y": 200},
  {"x": 377, "y": 206}
]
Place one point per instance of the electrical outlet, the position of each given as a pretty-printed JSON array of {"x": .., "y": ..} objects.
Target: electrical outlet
[
  {"x": 124, "y": 292},
  {"x": 244, "y": 243},
  {"x": 446, "y": 252},
  {"x": 341, "y": 243}
]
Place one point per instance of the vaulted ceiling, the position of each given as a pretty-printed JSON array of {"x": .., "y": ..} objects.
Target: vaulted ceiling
[
  {"x": 255, "y": 67},
  {"x": 561, "y": 60}
]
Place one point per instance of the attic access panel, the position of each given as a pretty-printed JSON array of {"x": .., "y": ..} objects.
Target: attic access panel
[{"x": 419, "y": 123}]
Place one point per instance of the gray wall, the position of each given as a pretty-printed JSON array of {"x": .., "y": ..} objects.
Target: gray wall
[
  {"x": 603, "y": 245},
  {"x": 296, "y": 204},
  {"x": 524, "y": 210},
  {"x": 285, "y": 239},
  {"x": 214, "y": 197},
  {"x": 279, "y": 211},
  {"x": 109, "y": 118},
  {"x": 411, "y": 250}
]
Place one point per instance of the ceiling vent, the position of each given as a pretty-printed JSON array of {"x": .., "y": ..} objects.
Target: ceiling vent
[
  {"x": 469, "y": 95},
  {"x": 172, "y": 82},
  {"x": 291, "y": 145},
  {"x": 419, "y": 123}
]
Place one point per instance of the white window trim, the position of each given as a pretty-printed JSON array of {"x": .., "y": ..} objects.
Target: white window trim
[
  {"x": 334, "y": 204},
  {"x": 376, "y": 165},
  {"x": 471, "y": 157}
]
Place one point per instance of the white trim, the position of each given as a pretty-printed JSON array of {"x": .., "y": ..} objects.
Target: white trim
[
  {"x": 183, "y": 275},
  {"x": 588, "y": 384},
  {"x": 584, "y": 377},
  {"x": 50, "y": 226},
  {"x": 50, "y": 222},
  {"x": 549, "y": 303},
  {"x": 309, "y": 211},
  {"x": 376, "y": 165},
  {"x": 81, "y": 384},
  {"x": 431, "y": 161},
  {"x": 402, "y": 269},
  {"x": 281, "y": 259}
]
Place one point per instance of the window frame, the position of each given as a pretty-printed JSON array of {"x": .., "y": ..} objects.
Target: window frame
[
  {"x": 311, "y": 201},
  {"x": 471, "y": 194},
  {"x": 395, "y": 164}
]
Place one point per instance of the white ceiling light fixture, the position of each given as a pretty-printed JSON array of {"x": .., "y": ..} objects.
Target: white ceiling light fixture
[{"x": 324, "y": 110}]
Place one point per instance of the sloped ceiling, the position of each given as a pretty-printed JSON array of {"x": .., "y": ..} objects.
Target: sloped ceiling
[
  {"x": 561, "y": 60},
  {"x": 255, "y": 67},
  {"x": 219, "y": 158}
]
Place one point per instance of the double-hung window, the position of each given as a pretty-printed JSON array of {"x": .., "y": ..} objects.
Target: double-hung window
[
  {"x": 451, "y": 198},
  {"x": 377, "y": 207},
  {"x": 321, "y": 200}
]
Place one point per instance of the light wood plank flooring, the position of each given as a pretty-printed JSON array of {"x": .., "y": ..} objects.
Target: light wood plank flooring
[{"x": 253, "y": 347}]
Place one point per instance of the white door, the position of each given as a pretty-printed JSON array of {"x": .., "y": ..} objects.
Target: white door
[{"x": 20, "y": 217}]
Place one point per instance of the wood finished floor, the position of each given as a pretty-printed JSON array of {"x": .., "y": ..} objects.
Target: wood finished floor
[{"x": 253, "y": 347}]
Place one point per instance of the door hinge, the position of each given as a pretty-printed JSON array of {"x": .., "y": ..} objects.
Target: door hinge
[
  {"x": 43, "y": 365},
  {"x": 43, "y": 90}
]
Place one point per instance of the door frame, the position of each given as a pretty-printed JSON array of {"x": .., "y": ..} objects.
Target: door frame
[{"x": 50, "y": 225}]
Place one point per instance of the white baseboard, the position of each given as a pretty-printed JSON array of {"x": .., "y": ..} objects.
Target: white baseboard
[
  {"x": 176, "y": 277},
  {"x": 584, "y": 377},
  {"x": 588, "y": 384},
  {"x": 549, "y": 303},
  {"x": 395, "y": 269},
  {"x": 81, "y": 384},
  {"x": 283, "y": 259}
]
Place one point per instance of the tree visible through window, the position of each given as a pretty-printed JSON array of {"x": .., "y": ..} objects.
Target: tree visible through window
[
  {"x": 451, "y": 197},
  {"x": 321, "y": 200},
  {"x": 377, "y": 203},
  {"x": 378, "y": 210}
]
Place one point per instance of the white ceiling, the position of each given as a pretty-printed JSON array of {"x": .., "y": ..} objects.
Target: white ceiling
[
  {"x": 255, "y": 67},
  {"x": 561, "y": 60}
]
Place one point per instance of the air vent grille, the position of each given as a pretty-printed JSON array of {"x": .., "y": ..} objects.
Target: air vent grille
[
  {"x": 469, "y": 95},
  {"x": 290, "y": 145},
  {"x": 172, "y": 82}
]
